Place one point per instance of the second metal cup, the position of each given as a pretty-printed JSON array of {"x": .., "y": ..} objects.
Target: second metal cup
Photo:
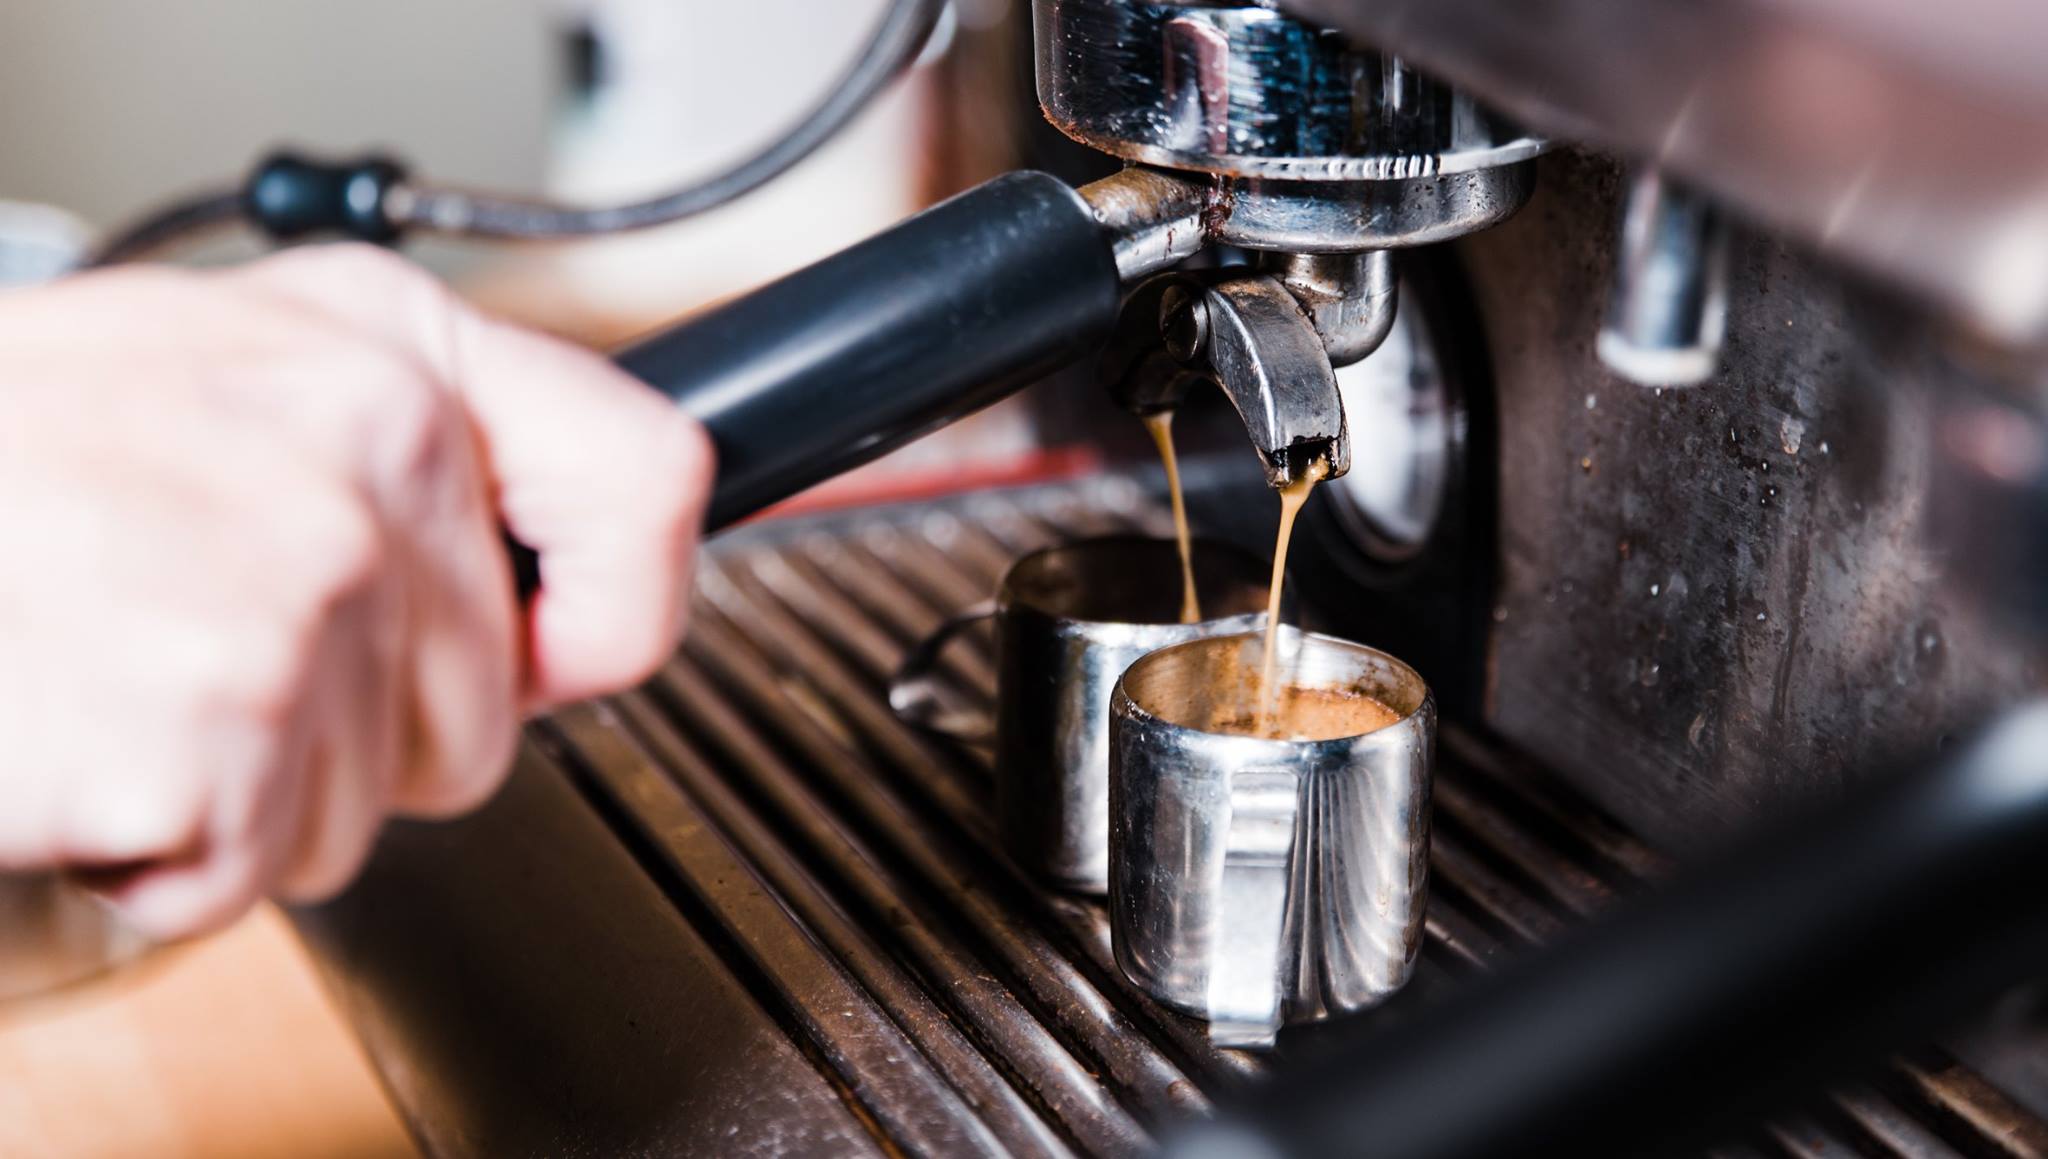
[
  {"x": 1069, "y": 620},
  {"x": 1259, "y": 881}
]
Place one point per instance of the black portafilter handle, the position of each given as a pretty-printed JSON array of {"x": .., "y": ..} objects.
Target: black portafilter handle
[
  {"x": 844, "y": 361},
  {"x": 1747, "y": 981}
]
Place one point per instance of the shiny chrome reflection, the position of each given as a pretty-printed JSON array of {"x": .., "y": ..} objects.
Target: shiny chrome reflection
[
  {"x": 1255, "y": 882},
  {"x": 1402, "y": 422}
]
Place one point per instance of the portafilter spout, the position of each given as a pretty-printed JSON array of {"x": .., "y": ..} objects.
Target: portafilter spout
[{"x": 1250, "y": 337}]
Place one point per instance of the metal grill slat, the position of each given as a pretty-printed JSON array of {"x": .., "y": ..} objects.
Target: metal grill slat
[
  {"x": 891, "y": 1080},
  {"x": 1973, "y": 1100},
  {"x": 914, "y": 916},
  {"x": 1802, "y": 1138},
  {"x": 986, "y": 896},
  {"x": 1061, "y": 1084}
]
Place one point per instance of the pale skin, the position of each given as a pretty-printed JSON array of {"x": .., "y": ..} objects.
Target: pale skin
[{"x": 256, "y": 600}]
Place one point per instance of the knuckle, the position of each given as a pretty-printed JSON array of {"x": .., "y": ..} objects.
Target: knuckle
[
  {"x": 682, "y": 461},
  {"x": 260, "y": 670},
  {"x": 370, "y": 266},
  {"x": 235, "y": 885},
  {"x": 629, "y": 651},
  {"x": 427, "y": 443},
  {"x": 382, "y": 382},
  {"x": 451, "y": 781},
  {"x": 440, "y": 794},
  {"x": 649, "y": 650},
  {"x": 185, "y": 899},
  {"x": 158, "y": 814},
  {"x": 340, "y": 546},
  {"x": 394, "y": 278},
  {"x": 408, "y": 427},
  {"x": 326, "y": 877}
]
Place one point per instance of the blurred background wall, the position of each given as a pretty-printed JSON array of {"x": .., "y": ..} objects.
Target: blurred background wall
[
  {"x": 106, "y": 105},
  {"x": 109, "y": 106}
]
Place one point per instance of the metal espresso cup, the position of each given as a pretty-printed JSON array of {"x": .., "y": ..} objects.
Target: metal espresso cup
[
  {"x": 1068, "y": 621},
  {"x": 1257, "y": 882}
]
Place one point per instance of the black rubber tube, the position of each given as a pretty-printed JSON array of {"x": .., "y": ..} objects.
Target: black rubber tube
[
  {"x": 1787, "y": 962},
  {"x": 843, "y": 361}
]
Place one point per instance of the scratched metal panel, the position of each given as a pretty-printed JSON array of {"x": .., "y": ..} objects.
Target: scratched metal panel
[{"x": 1712, "y": 598}]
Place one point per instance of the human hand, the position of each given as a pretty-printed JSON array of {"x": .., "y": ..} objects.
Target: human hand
[{"x": 258, "y": 598}]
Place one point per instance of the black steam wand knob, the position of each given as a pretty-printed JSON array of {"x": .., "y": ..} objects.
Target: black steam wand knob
[{"x": 291, "y": 196}]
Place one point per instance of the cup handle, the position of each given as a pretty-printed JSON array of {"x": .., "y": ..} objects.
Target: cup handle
[
  {"x": 1248, "y": 954},
  {"x": 914, "y": 691}
]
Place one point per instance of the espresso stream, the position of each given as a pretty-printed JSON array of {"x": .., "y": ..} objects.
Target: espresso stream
[
  {"x": 1292, "y": 496},
  {"x": 1160, "y": 423},
  {"x": 1283, "y": 711}
]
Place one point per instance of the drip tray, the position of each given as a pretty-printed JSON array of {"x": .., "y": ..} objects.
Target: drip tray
[{"x": 744, "y": 910}]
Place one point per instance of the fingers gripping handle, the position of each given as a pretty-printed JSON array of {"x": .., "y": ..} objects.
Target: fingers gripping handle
[{"x": 1248, "y": 951}]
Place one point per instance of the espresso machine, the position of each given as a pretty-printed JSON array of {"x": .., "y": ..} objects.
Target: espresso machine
[{"x": 1680, "y": 374}]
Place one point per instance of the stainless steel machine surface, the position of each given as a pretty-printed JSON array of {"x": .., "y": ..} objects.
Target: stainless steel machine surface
[
  {"x": 747, "y": 911},
  {"x": 1904, "y": 139}
]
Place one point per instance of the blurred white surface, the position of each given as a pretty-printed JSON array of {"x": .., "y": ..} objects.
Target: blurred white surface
[
  {"x": 113, "y": 104},
  {"x": 116, "y": 105},
  {"x": 690, "y": 88},
  {"x": 39, "y": 242}
]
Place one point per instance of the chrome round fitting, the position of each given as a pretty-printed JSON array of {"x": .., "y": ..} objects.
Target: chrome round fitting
[
  {"x": 1346, "y": 216},
  {"x": 1245, "y": 91}
]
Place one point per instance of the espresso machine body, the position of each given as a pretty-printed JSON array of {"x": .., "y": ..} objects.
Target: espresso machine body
[{"x": 1694, "y": 459}]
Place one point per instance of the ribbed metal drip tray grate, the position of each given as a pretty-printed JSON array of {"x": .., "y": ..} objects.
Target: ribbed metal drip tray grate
[{"x": 845, "y": 866}]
